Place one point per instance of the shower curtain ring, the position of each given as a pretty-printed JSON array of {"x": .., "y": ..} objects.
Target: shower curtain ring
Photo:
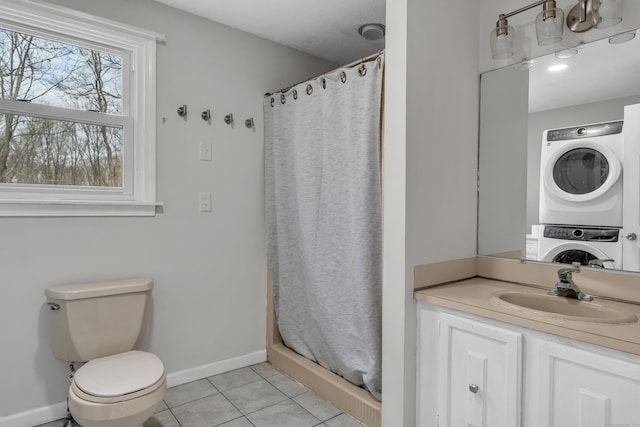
[
  {"x": 362, "y": 70},
  {"x": 343, "y": 77},
  {"x": 295, "y": 94},
  {"x": 309, "y": 89},
  {"x": 272, "y": 101},
  {"x": 324, "y": 83},
  {"x": 283, "y": 99}
]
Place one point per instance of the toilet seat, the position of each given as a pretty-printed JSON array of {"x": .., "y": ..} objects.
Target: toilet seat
[{"x": 119, "y": 377}]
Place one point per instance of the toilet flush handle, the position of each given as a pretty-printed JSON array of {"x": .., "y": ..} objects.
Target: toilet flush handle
[{"x": 54, "y": 306}]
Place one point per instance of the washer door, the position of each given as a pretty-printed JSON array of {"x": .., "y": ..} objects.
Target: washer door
[
  {"x": 581, "y": 171},
  {"x": 568, "y": 253}
]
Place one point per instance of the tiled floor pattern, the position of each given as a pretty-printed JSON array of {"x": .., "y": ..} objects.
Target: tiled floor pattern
[{"x": 256, "y": 396}]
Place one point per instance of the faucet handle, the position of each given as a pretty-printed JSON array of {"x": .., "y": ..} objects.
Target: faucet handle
[{"x": 599, "y": 263}]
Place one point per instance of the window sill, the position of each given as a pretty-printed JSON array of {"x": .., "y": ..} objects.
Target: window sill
[{"x": 71, "y": 208}]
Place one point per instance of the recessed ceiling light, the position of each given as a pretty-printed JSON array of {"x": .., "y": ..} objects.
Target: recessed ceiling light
[
  {"x": 566, "y": 53},
  {"x": 622, "y": 38},
  {"x": 557, "y": 67}
]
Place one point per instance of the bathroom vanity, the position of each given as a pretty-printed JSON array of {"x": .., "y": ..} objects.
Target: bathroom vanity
[{"x": 489, "y": 359}]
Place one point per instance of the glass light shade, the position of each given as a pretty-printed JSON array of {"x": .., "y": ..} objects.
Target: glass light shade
[
  {"x": 501, "y": 45},
  {"x": 549, "y": 26},
  {"x": 610, "y": 12}
]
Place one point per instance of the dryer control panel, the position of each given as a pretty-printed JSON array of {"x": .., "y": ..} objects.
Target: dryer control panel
[
  {"x": 586, "y": 131},
  {"x": 582, "y": 234}
]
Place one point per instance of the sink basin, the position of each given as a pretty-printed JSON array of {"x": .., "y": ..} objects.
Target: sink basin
[{"x": 564, "y": 308}]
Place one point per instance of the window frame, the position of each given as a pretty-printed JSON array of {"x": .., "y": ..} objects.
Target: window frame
[{"x": 138, "y": 120}]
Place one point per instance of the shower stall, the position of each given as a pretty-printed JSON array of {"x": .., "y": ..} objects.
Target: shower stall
[{"x": 323, "y": 202}]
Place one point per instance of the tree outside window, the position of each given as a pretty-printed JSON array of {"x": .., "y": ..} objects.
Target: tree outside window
[{"x": 54, "y": 151}]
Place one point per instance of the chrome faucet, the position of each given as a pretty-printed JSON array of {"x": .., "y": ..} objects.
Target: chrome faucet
[{"x": 565, "y": 286}]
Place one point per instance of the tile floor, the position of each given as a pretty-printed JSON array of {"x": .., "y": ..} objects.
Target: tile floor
[{"x": 256, "y": 396}]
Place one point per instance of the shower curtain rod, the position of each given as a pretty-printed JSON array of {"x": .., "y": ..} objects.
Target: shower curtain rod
[{"x": 349, "y": 65}]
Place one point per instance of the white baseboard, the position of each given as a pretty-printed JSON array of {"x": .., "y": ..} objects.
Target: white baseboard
[
  {"x": 45, "y": 414},
  {"x": 35, "y": 416},
  {"x": 204, "y": 371}
]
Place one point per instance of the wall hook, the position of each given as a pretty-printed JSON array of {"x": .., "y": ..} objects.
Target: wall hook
[
  {"x": 228, "y": 119},
  {"x": 206, "y": 115},
  {"x": 182, "y": 110},
  {"x": 249, "y": 123}
]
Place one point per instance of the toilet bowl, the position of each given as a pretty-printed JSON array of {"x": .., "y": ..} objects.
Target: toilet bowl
[
  {"x": 121, "y": 390},
  {"x": 102, "y": 324}
]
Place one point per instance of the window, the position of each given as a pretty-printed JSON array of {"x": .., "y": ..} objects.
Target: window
[{"x": 77, "y": 114}]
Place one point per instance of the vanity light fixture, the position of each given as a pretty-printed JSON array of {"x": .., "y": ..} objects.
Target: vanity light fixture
[
  {"x": 548, "y": 28},
  {"x": 586, "y": 14}
]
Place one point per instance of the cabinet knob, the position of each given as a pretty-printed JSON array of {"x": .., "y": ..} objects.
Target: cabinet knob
[
  {"x": 473, "y": 388},
  {"x": 631, "y": 236}
]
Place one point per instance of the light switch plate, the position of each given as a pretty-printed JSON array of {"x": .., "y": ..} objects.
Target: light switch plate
[{"x": 205, "y": 151}]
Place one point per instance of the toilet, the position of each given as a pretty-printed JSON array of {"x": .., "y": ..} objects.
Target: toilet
[{"x": 103, "y": 324}]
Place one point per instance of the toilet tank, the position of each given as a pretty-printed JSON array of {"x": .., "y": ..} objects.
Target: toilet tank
[{"x": 90, "y": 320}]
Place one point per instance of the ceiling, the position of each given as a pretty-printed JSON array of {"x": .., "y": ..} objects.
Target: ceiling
[
  {"x": 600, "y": 71},
  {"x": 327, "y": 29}
]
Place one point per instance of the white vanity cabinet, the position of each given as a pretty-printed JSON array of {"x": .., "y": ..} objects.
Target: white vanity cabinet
[
  {"x": 584, "y": 389},
  {"x": 477, "y": 372}
]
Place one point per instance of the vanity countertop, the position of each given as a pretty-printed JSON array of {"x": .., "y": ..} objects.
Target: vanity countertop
[{"x": 476, "y": 296}]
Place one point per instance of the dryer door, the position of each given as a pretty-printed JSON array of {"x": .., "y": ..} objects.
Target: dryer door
[{"x": 580, "y": 171}]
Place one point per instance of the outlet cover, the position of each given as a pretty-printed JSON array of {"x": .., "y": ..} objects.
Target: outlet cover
[{"x": 204, "y": 201}]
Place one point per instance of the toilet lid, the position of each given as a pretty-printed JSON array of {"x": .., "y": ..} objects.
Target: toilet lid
[{"x": 120, "y": 374}]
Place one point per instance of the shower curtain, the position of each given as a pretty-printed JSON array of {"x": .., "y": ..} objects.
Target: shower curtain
[{"x": 324, "y": 219}]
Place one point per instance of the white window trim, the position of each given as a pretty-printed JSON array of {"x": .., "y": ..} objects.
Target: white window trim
[{"x": 136, "y": 199}]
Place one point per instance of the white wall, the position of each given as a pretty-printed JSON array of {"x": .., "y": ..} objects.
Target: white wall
[
  {"x": 209, "y": 268},
  {"x": 502, "y": 172},
  {"x": 431, "y": 146}
]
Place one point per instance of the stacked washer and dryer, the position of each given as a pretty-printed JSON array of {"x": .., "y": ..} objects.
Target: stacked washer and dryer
[{"x": 581, "y": 195}]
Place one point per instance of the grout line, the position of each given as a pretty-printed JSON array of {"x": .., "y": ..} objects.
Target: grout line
[
  {"x": 262, "y": 378},
  {"x": 273, "y": 367},
  {"x": 174, "y": 417},
  {"x": 260, "y": 409},
  {"x": 233, "y": 388}
]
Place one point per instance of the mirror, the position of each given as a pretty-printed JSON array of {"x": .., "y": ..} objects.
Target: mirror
[{"x": 533, "y": 123}]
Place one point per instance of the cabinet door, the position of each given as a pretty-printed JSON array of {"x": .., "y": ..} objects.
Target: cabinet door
[
  {"x": 584, "y": 389},
  {"x": 480, "y": 371}
]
